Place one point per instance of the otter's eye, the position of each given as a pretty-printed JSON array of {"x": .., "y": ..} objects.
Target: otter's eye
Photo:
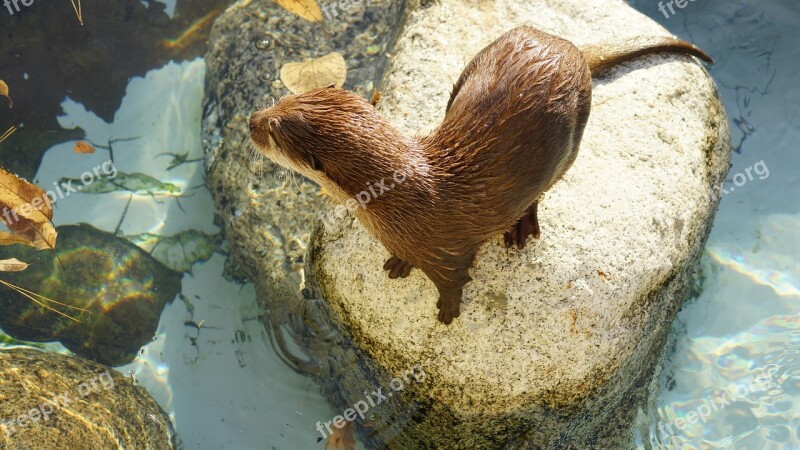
[{"x": 316, "y": 164}]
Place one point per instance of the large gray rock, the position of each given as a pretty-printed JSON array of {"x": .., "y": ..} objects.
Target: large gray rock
[
  {"x": 48, "y": 400},
  {"x": 556, "y": 343},
  {"x": 553, "y": 341}
]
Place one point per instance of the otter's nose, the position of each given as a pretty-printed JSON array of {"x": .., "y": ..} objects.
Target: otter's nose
[{"x": 255, "y": 119}]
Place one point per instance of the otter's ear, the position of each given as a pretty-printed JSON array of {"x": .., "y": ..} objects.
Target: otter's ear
[
  {"x": 274, "y": 124},
  {"x": 316, "y": 164}
]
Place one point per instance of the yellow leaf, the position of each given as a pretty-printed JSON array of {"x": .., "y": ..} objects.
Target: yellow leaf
[
  {"x": 314, "y": 73},
  {"x": 341, "y": 438},
  {"x": 307, "y": 9},
  {"x": 12, "y": 265},
  {"x": 4, "y": 93},
  {"x": 11, "y": 239},
  {"x": 83, "y": 147},
  {"x": 27, "y": 211}
]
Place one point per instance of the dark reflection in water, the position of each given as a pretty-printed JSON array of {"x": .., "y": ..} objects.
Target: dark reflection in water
[{"x": 46, "y": 55}]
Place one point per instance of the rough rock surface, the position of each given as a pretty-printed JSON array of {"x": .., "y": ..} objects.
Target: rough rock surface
[
  {"x": 86, "y": 405},
  {"x": 553, "y": 341}
]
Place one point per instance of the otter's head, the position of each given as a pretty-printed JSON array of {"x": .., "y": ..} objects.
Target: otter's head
[{"x": 332, "y": 136}]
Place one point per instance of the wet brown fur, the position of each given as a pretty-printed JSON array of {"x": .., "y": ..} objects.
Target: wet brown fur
[{"x": 513, "y": 127}]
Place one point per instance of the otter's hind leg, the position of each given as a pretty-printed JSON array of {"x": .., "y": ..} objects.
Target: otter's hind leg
[
  {"x": 450, "y": 286},
  {"x": 526, "y": 226},
  {"x": 397, "y": 267}
]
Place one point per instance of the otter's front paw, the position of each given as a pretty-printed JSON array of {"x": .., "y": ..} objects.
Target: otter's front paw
[
  {"x": 397, "y": 267},
  {"x": 528, "y": 225},
  {"x": 448, "y": 310}
]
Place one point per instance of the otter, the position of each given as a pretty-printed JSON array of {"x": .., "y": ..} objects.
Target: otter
[{"x": 512, "y": 128}]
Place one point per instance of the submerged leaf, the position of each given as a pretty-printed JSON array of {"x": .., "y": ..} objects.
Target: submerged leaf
[
  {"x": 4, "y": 93},
  {"x": 314, "y": 73},
  {"x": 341, "y": 438},
  {"x": 180, "y": 251},
  {"x": 27, "y": 212},
  {"x": 307, "y": 9},
  {"x": 12, "y": 265},
  {"x": 83, "y": 147},
  {"x": 135, "y": 183}
]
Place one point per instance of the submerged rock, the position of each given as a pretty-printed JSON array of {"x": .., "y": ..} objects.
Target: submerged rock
[
  {"x": 49, "y": 400},
  {"x": 122, "y": 288},
  {"x": 555, "y": 342}
]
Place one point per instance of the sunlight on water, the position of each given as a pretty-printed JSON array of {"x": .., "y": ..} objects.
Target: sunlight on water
[
  {"x": 773, "y": 259},
  {"x": 731, "y": 379}
]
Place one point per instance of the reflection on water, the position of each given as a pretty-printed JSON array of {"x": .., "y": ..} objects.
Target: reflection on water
[
  {"x": 740, "y": 338},
  {"x": 770, "y": 259}
]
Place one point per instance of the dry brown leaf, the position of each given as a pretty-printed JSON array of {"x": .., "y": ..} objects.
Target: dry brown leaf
[
  {"x": 341, "y": 438},
  {"x": 307, "y": 9},
  {"x": 314, "y": 73},
  {"x": 83, "y": 147},
  {"x": 4, "y": 93},
  {"x": 7, "y": 238},
  {"x": 27, "y": 211},
  {"x": 12, "y": 265}
]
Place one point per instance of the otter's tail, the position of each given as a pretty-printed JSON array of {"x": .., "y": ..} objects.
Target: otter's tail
[{"x": 607, "y": 54}]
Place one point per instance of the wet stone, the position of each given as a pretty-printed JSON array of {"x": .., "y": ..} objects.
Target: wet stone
[
  {"x": 49, "y": 400},
  {"x": 122, "y": 288}
]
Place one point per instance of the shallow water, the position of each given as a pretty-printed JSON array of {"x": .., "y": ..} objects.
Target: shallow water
[
  {"x": 730, "y": 378},
  {"x": 734, "y": 354}
]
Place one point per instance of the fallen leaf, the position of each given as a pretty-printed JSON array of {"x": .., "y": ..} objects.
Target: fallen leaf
[
  {"x": 341, "y": 438},
  {"x": 83, "y": 147},
  {"x": 181, "y": 251},
  {"x": 135, "y": 183},
  {"x": 307, "y": 9},
  {"x": 4, "y": 93},
  {"x": 12, "y": 265},
  {"x": 314, "y": 73},
  {"x": 27, "y": 211},
  {"x": 11, "y": 239}
]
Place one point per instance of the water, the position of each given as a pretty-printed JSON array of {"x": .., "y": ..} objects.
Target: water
[
  {"x": 731, "y": 371},
  {"x": 738, "y": 340}
]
